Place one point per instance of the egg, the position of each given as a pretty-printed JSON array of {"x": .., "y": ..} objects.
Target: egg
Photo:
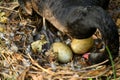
[
  {"x": 64, "y": 53},
  {"x": 81, "y": 46}
]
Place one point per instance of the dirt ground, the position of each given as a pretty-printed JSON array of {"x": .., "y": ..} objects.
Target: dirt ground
[{"x": 18, "y": 61}]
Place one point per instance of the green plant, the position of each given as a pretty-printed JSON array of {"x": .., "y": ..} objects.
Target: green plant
[{"x": 112, "y": 62}]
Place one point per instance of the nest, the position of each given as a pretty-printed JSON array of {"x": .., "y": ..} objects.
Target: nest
[{"x": 19, "y": 62}]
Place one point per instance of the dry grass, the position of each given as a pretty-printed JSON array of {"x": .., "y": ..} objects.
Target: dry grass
[{"x": 18, "y": 62}]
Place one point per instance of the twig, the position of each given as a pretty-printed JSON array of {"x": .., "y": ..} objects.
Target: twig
[
  {"x": 97, "y": 75},
  {"x": 95, "y": 65},
  {"x": 1, "y": 7},
  {"x": 100, "y": 73},
  {"x": 36, "y": 64}
]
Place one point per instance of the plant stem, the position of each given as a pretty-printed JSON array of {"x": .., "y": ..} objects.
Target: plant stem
[{"x": 112, "y": 62}]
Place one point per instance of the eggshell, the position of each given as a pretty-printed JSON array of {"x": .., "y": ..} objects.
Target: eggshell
[{"x": 81, "y": 46}]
